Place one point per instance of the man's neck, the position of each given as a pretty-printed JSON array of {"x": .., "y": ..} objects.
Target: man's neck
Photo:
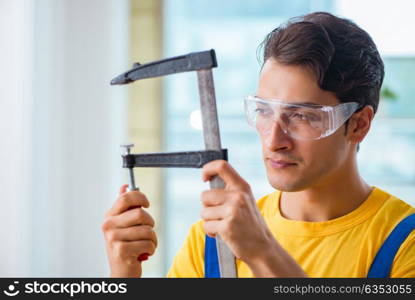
[{"x": 340, "y": 195}]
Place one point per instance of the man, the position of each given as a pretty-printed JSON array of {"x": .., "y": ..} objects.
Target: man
[{"x": 318, "y": 93}]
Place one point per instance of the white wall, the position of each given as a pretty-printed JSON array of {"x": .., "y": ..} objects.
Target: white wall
[
  {"x": 390, "y": 23},
  {"x": 74, "y": 125},
  {"x": 13, "y": 121}
]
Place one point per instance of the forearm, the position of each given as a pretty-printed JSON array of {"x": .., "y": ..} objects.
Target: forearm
[{"x": 274, "y": 261}]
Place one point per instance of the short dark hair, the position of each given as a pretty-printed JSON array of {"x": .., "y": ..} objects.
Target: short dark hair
[{"x": 341, "y": 55}]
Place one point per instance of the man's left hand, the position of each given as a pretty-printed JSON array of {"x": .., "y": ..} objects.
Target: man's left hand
[{"x": 233, "y": 214}]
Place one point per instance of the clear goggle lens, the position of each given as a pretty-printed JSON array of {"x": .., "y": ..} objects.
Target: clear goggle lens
[{"x": 300, "y": 121}]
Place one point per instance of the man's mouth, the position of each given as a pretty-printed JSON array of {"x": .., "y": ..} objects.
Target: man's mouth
[{"x": 280, "y": 164}]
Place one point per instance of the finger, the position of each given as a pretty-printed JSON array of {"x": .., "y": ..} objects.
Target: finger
[
  {"x": 128, "y": 200},
  {"x": 211, "y": 228},
  {"x": 213, "y": 213},
  {"x": 213, "y": 197},
  {"x": 134, "y": 249},
  {"x": 123, "y": 189},
  {"x": 132, "y": 217},
  {"x": 134, "y": 233},
  {"x": 225, "y": 171}
]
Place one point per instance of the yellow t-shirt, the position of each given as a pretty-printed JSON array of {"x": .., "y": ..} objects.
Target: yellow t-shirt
[{"x": 341, "y": 247}]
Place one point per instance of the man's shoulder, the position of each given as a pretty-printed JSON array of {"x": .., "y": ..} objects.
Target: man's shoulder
[
  {"x": 392, "y": 211},
  {"x": 395, "y": 206}
]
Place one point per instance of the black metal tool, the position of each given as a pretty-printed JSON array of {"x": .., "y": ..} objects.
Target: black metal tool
[
  {"x": 188, "y": 159},
  {"x": 202, "y": 62},
  {"x": 133, "y": 187},
  {"x": 130, "y": 168},
  {"x": 178, "y": 64}
]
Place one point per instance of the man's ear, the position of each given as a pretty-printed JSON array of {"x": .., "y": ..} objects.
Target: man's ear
[{"x": 359, "y": 124}]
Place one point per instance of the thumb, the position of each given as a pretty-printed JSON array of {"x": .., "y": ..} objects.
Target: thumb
[
  {"x": 225, "y": 171},
  {"x": 123, "y": 189}
]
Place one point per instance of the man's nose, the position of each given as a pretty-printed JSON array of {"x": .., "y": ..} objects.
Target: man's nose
[{"x": 276, "y": 138}]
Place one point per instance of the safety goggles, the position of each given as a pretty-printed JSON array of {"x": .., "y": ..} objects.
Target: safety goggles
[{"x": 300, "y": 121}]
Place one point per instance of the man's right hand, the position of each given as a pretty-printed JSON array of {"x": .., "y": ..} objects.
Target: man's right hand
[{"x": 128, "y": 231}]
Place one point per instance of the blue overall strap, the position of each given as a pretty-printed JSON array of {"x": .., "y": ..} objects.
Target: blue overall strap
[
  {"x": 382, "y": 263},
  {"x": 211, "y": 259}
]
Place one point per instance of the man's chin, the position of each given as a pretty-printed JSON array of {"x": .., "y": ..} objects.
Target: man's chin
[
  {"x": 287, "y": 185},
  {"x": 287, "y": 188}
]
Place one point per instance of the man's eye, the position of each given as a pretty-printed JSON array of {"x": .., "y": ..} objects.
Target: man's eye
[
  {"x": 299, "y": 116},
  {"x": 263, "y": 111},
  {"x": 304, "y": 117}
]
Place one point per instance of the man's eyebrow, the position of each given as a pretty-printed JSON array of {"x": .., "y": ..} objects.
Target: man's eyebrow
[
  {"x": 293, "y": 103},
  {"x": 311, "y": 104},
  {"x": 307, "y": 103}
]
